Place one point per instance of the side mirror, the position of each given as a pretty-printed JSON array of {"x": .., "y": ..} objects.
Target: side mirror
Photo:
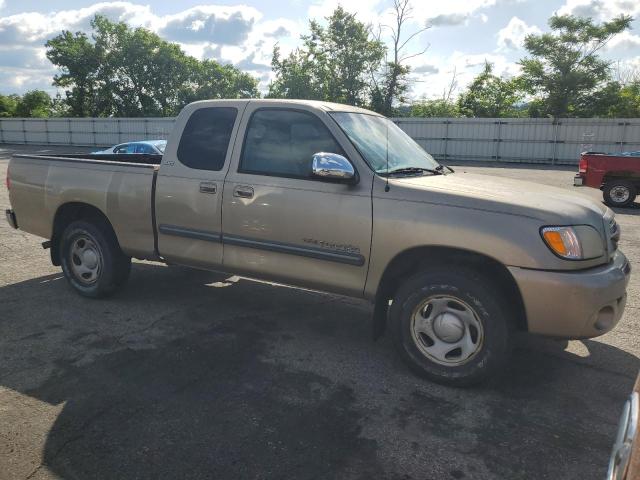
[{"x": 331, "y": 166}]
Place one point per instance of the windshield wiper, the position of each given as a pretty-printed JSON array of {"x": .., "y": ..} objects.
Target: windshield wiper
[
  {"x": 442, "y": 167},
  {"x": 412, "y": 170}
]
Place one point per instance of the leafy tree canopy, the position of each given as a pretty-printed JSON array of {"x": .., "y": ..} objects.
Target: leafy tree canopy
[
  {"x": 122, "y": 71},
  {"x": 563, "y": 67},
  {"x": 439, "y": 107},
  {"x": 490, "y": 96},
  {"x": 334, "y": 64}
]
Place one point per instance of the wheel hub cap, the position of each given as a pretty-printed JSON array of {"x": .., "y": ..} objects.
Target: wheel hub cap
[
  {"x": 620, "y": 194},
  {"x": 447, "y": 330},
  {"x": 86, "y": 260},
  {"x": 448, "y": 327},
  {"x": 90, "y": 259}
]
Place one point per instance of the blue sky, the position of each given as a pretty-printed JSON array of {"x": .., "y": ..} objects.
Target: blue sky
[{"x": 462, "y": 33}]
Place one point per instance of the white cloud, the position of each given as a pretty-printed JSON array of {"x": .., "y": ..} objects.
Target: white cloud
[
  {"x": 600, "y": 9},
  {"x": 453, "y": 12},
  {"x": 466, "y": 67},
  {"x": 625, "y": 41},
  {"x": 512, "y": 36},
  {"x": 36, "y": 27},
  {"x": 368, "y": 11},
  {"x": 448, "y": 19},
  {"x": 209, "y": 23},
  {"x": 425, "y": 68}
]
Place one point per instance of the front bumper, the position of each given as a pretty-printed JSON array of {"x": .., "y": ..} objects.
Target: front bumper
[
  {"x": 580, "y": 304},
  {"x": 11, "y": 218}
]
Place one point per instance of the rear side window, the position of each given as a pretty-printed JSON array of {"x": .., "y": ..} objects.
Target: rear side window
[
  {"x": 282, "y": 142},
  {"x": 205, "y": 139}
]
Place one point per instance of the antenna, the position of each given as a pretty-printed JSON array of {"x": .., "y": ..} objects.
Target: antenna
[{"x": 386, "y": 185}]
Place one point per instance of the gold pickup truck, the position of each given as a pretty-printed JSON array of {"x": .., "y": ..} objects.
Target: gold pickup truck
[{"x": 338, "y": 199}]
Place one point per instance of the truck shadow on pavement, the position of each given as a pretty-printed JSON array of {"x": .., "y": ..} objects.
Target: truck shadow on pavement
[
  {"x": 188, "y": 374},
  {"x": 633, "y": 209}
]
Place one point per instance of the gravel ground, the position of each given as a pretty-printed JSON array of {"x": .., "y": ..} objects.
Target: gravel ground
[{"x": 188, "y": 374}]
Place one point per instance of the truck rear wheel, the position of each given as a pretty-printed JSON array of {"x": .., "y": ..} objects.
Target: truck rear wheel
[
  {"x": 619, "y": 193},
  {"x": 451, "y": 326},
  {"x": 91, "y": 259}
]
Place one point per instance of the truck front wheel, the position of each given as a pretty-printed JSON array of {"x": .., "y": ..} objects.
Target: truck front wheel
[
  {"x": 91, "y": 259},
  {"x": 619, "y": 193},
  {"x": 451, "y": 326}
]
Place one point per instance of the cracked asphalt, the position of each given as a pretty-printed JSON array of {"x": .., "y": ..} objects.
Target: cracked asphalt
[{"x": 190, "y": 374}]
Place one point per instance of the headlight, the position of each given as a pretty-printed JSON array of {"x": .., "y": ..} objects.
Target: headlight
[{"x": 580, "y": 242}]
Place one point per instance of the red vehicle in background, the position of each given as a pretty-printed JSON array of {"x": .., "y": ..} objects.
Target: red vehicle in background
[{"x": 617, "y": 175}]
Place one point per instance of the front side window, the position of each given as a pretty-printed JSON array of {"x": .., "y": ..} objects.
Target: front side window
[
  {"x": 282, "y": 143},
  {"x": 206, "y": 136},
  {"x": 124, "y": 148}
]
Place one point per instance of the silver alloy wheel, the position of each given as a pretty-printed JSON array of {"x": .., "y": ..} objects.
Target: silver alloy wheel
[
  {"x": 86, "y": 259},
  {"x": 447, "y": 330},
  {"x": 620, "y": 193}
]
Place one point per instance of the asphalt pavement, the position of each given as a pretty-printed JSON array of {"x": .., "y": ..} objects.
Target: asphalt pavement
[{"x": 190, "y": 374}]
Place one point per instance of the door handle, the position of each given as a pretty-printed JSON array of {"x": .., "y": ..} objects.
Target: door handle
[
  {"x": 208, "y": 187},
  {"x": 243, "y": 191}
]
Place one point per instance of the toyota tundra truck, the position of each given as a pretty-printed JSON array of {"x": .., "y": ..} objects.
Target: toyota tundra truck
[{"x": 338, "y": 199}]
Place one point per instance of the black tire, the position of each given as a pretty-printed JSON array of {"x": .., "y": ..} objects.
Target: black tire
[
  {"x": 619, "y": 193},
  {"x": 479, "y": 298},
  {"x": 112, "y": 266}
]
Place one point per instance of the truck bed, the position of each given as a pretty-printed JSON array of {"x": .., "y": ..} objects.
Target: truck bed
[{"x": 121, "y": 187}]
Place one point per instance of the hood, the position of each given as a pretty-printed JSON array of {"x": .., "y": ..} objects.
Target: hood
[{"x": 550, "y": 205}]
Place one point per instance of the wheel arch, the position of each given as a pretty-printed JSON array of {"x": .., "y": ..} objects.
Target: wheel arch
[
  {"x": 416, "y": 259},
  {"x": 70, "y": 212},
  {"x": 629, "y": 176}
]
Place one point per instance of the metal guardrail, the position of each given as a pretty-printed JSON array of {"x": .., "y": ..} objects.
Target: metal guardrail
[{"x": 520, "y": 140}]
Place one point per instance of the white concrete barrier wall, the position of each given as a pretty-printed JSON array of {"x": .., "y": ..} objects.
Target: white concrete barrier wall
[{"x": 521, "y": 140}]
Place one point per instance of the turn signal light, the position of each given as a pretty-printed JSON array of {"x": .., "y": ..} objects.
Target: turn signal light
[
  {"x": 563, "y": 241},
  {"x": 554, "y": 240}
]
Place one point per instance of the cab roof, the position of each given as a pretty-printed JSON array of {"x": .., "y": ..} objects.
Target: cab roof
[{"x": 326, "y": 106}]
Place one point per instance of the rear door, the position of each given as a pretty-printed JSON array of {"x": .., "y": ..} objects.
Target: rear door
[
  {"x": 189, "y": 186},
  {"x": 281, "y": 223}
]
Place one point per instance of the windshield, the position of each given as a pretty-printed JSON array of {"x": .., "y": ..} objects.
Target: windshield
[
  {"x": 161, "y": 145},
  {"x": 372, "y": 135}
]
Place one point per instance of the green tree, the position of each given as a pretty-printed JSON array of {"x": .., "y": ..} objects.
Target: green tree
[
  {"x": 78, "y": 61},
  {"x": 210, "y": 80},
  {"x": 628, "y": 102},
  {"x": 335, "y": 63},
  {"x": 35, "y": 103},
  {"x": 133, "y": 72},
  {"x": 439, "y": 107},
  {"x": 489, "y": 96},
  {"x": 564, "y": 67},
  {"x": 8, "y": 104},
  {"x": 296, "y": 76}
]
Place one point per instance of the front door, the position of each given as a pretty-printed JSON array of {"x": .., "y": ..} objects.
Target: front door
[
  {"x": 280, "y": 222},
  {"x": 189, "y": 185}
]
